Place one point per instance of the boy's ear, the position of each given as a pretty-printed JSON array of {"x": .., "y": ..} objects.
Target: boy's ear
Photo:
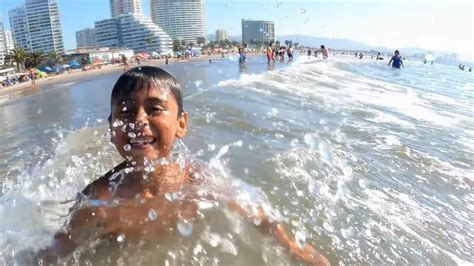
[{"x": 182, "y": 125}]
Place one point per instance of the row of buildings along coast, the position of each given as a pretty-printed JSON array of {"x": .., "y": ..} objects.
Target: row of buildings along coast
[
  {"x": 36, "y": 26},
  {"x": 128, "y": 27}
]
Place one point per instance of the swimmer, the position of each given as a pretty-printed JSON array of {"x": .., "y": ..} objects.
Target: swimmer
[
  {"x": 397, "y": 60},
  {"x": 146, "y": 118}
]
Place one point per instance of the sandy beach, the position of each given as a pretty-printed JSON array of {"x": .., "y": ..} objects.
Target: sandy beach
[{"x": 23, "y": 89}]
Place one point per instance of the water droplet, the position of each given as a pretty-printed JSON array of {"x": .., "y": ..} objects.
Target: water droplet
[
  {"x": 205, "y": 204},
  {"x": 124, "y": 109},
  {"x": 228, "y": 247},
  {"x": 120, "y": 238},
  {"x": 40, "y": 111},
  {"x": 131, "y": 125},
  {"x": 257, "y": 221},
  {"x": 300, "y": 238},
  {"x": 294, "y": 142},
  {"x": 185, "y": 227},
  {"x": 239, "y": 143},
  {"x": 347, "y": 233},
  {"x": 127, "y": 147},
  {"x": 362, "y": 183},
  {"x": 152, "y": 214},
  {"x": 197, "y": 249},
  {"x": 211, "y": 147},
  {"x": 212, "y": 238},
  {"x": 310, "y": 140},
  {"x": 279, "y": 136},
  {"x": 328, "y": 227},
  {"x": 117, "y": 123},
  {"x": 132, "y": 135},
  {"x": 296, "y": 222}
]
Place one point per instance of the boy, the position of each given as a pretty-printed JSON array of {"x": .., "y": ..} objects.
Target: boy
[
  {"x": 147, "y": 116},
  {"x": 397, "y": 60}
]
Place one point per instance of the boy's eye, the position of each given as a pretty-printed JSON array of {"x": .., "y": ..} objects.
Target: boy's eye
[{"x": 157, "y": 109}]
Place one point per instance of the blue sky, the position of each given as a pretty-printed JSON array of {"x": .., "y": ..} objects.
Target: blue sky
[{"x": 435, "y": 24}]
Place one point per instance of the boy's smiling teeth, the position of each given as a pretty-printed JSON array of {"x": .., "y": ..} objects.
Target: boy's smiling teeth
[{"x": 142, "y": 140}]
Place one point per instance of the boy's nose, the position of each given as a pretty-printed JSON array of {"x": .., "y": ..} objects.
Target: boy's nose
[{"x": 141, "y": 118}]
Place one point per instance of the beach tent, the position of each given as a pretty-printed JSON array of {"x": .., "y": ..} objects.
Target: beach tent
[
  {"x": 46, "y": 69},
  {"x": 74, "y": 65}
]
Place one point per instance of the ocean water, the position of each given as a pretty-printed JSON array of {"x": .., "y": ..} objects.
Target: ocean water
[{"x": 369, "y": 164}]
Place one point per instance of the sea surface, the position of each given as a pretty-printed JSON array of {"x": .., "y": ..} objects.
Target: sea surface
[{"x": 370, "y": 165}]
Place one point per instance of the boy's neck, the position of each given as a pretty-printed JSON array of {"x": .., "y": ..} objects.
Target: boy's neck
[{"x": 161, "y": 177}]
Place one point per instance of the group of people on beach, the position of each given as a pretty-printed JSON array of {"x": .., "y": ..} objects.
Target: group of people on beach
[
  {"x": 463, "y": 67},
  {"x": 278, "y": 54},
  {"x": 323, "y": 50}
]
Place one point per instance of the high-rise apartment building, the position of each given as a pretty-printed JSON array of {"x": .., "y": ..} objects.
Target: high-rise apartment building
[
  {"x": 36, "y": 26},
  {"x": 8, "y": 40},
  {"x": 85, "y": 38},
  {"x": 221, "y": 35},
  {"x": 181, "y": 19},
  {"x": 257, "y": 31},
  {"x": 3, "y": 49},
  {"x": 133, "y": 31},
  {"x": 125, "y": 7},
  {"x": 19, "y": 27}
]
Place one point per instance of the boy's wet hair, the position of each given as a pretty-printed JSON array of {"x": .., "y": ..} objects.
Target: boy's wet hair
[{"x": 146, "y": 78}]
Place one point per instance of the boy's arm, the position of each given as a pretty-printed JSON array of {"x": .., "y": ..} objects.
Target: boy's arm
[
  {"x": 307, "y": 254},
  {"x": 65, "y": 242},
  {"x": 391, "y": 59}
]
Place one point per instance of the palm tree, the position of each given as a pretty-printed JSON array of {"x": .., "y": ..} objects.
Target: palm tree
[
  {"x": 53, "y": 58},
  {"x": 18, "y": 56},
  {"x": 34, "y": 58},
  {"x": 176, "y": 45},
  {"x": 190, "y": 44},
  {"x": 200, "y": 41},
  {"x": 222, "y": 44}
]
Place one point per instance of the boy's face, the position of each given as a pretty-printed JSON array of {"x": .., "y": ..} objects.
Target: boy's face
[{"x": 145, "y": 125}]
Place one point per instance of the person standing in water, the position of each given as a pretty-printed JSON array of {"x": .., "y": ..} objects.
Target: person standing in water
[
  {"x": 396, "y": 60},
  {"x": 269, "y": 52},
  {"x": 126, "y": 65},
  {"x": 289, "y": 52},
  {"x": 324, "y": 51},
  {"x": 309, "y": 53},
  {"x": 33, "y": 78}
]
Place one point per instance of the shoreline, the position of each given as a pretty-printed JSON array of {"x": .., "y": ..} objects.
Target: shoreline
[{"x": 21, "y": 90}]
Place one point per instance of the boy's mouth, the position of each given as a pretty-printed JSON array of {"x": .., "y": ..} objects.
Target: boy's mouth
[{"x": 141, "y": 142}]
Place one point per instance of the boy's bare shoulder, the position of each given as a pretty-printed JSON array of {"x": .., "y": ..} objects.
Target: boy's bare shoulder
[{"x": 99, "y": 189}]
